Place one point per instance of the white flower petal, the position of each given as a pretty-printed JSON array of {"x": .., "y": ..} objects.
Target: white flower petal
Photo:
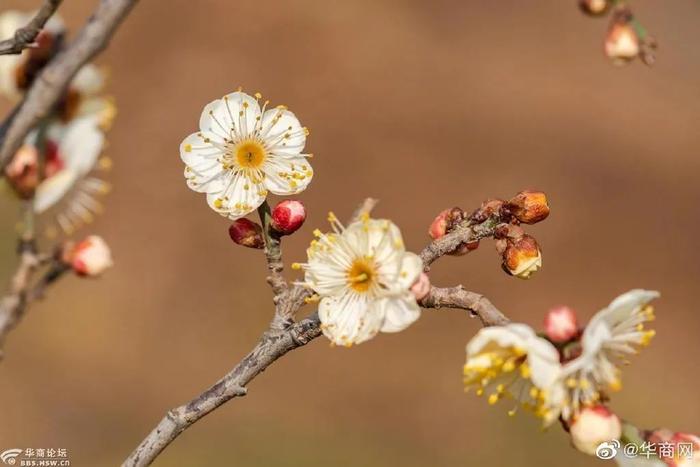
[
  {"x": 239, "y": 198},
  {"x": 234, "y": 116},
  {"x": 81, "y": 145},
  {"x": 399, "y": 312},
  {"x": 51, "y": 191},
  {"x": 287, "y": 175},
  {"x": 88, "y": 81},
  {"x": 348, "y": 319},
  {"x": 282, "y": 132},
  {"x": 411, "y": 267}
]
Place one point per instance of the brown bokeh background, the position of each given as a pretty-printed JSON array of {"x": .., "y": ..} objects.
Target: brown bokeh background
[{"x": 424, "y": 105}]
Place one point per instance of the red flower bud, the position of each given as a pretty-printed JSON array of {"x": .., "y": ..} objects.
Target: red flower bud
[
  {"x": 594, "y": 7},
  {"x": 529, "y": 207},
  {"x": 560, "y": 324},
  {"x": 247, "y": 233},
  {"x": 91, "y": 257},
  {"x": 444, "y": 223},
  {"x": 288, "y": 216},
  {"x": 622, "y": 43}
]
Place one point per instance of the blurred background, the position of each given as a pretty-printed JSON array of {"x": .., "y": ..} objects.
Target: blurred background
[{"x": 424, "y": 105}]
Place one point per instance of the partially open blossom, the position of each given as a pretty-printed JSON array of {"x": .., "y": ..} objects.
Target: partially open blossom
[
  {"x": 613, "y": 333},
  {"x": 444, "y": 223},
  {"x": 529, "y": 207},
  {"x": 288, "y": 216},
  {"x": 560, "y": 324},
  {"x": 91, "y": 257},
  {"x": 363, "y": 275},
  {"x": 246, "y": 233},
  {"x": 421, "y": 287},
  {"x": 593, "y": 426},
  {"x": 595, "y": 7},
  {"x": 242, "y": 152},
  {"x": 522, "y": 256},
  {"x": 512, "y": 363},
  {"x": 622, "y": 44}
]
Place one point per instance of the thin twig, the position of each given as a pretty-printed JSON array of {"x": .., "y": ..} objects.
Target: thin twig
[
  {"x": 277, "y": 342},
  {"x": 24, "y": 37},
  {"x": 49, "y": 86}
]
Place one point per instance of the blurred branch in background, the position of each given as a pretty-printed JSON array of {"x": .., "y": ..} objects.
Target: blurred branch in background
[
  {"x": 55, "y": 77},
  {"x": 24, "y": 37},
  {"x": 276, "y": 342}
]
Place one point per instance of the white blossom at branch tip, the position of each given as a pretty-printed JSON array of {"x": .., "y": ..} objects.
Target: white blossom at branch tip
[
  {"x": 613, "y": 334},
  {"x": 363, "y": 276},
  {"x": 512, "y": 362},
  {"x": 243, "y": 151}
]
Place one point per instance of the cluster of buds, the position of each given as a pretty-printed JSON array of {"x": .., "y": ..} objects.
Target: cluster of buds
[
  {"x": 626, "y": 38},
  {"x": 88, "y": 258},
  {"x": 286, "y": 218},
  {"x": 520, "y": 252}
]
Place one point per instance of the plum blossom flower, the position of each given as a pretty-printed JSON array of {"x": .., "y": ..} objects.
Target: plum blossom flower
[
  {"x": 614, "y": 332},
  {"x": 512, "y": 362},
  {"x": 363, "y": 275},
  {"x": 242, "y": 152},
  {"x": 67, "y": 189},
  {"x": 91, "y": 257}
]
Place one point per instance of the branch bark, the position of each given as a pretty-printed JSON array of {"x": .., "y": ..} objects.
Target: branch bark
[
  {"x": 24, "y": 37},
  {"x": 55, "y": 77},
  {"x": 275, "y": 343},
  {"x": 14, "y": 304}
]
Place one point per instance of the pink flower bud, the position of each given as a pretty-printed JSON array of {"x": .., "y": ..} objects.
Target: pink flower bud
[
  {"x": 91, "y": 257},
  {"x": 22, "y": 172},
  {"x": 421, "y": 286},
  {"x": 444, "y": 223},
  {"x": 529, "y": 207},
  {"x": 288, "y": 216},
  {"x": 675, "y": 456},
  {"x": 592, "y": 426},
  {"x": 247, "y": 233},
  {"x": 560, "y": 324}
]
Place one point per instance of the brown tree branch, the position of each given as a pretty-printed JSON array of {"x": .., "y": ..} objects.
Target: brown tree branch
[
  {"x": 277, "y": 342},
  {"x": 14, "y": 304},
  {"x": 48, "y": 87},
  {"x": 24, "y": 37}
]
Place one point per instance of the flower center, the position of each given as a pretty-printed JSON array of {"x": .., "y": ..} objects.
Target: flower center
[
  {"x": 361, "y": 274},
  {"x": 250, "y": 154}
]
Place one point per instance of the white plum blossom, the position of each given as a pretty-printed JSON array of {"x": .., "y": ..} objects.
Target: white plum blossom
[
  {"x": 72, "y": 158},
  {"x": 243, "y": 151},
  {"x": 512, "y": 362},
  {"x": 363, "y": 275},
  {"x": 613, "y": 333}
]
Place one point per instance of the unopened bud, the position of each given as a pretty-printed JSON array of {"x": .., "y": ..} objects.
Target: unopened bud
[
  {"x": 421, "y": 287},
  {"x": 247, "y": 233},
  {"x": 23, "y": 171},
  {"x": 593, "y": 426},
  {"x": 444, "y": 223},
  {"x": 529, "y": 207},
  {"x": 682, "y": 442},
  {"x": 622, "y": 42},
  {"x": 594, "y": 7},
  {"x": 91, "y": 257},
  {"x": 489, "y": 208},
  {"x": 522, "y": 256},
  {"x": 560, "y": 324},
  {"x": 288, "y": 216}
]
